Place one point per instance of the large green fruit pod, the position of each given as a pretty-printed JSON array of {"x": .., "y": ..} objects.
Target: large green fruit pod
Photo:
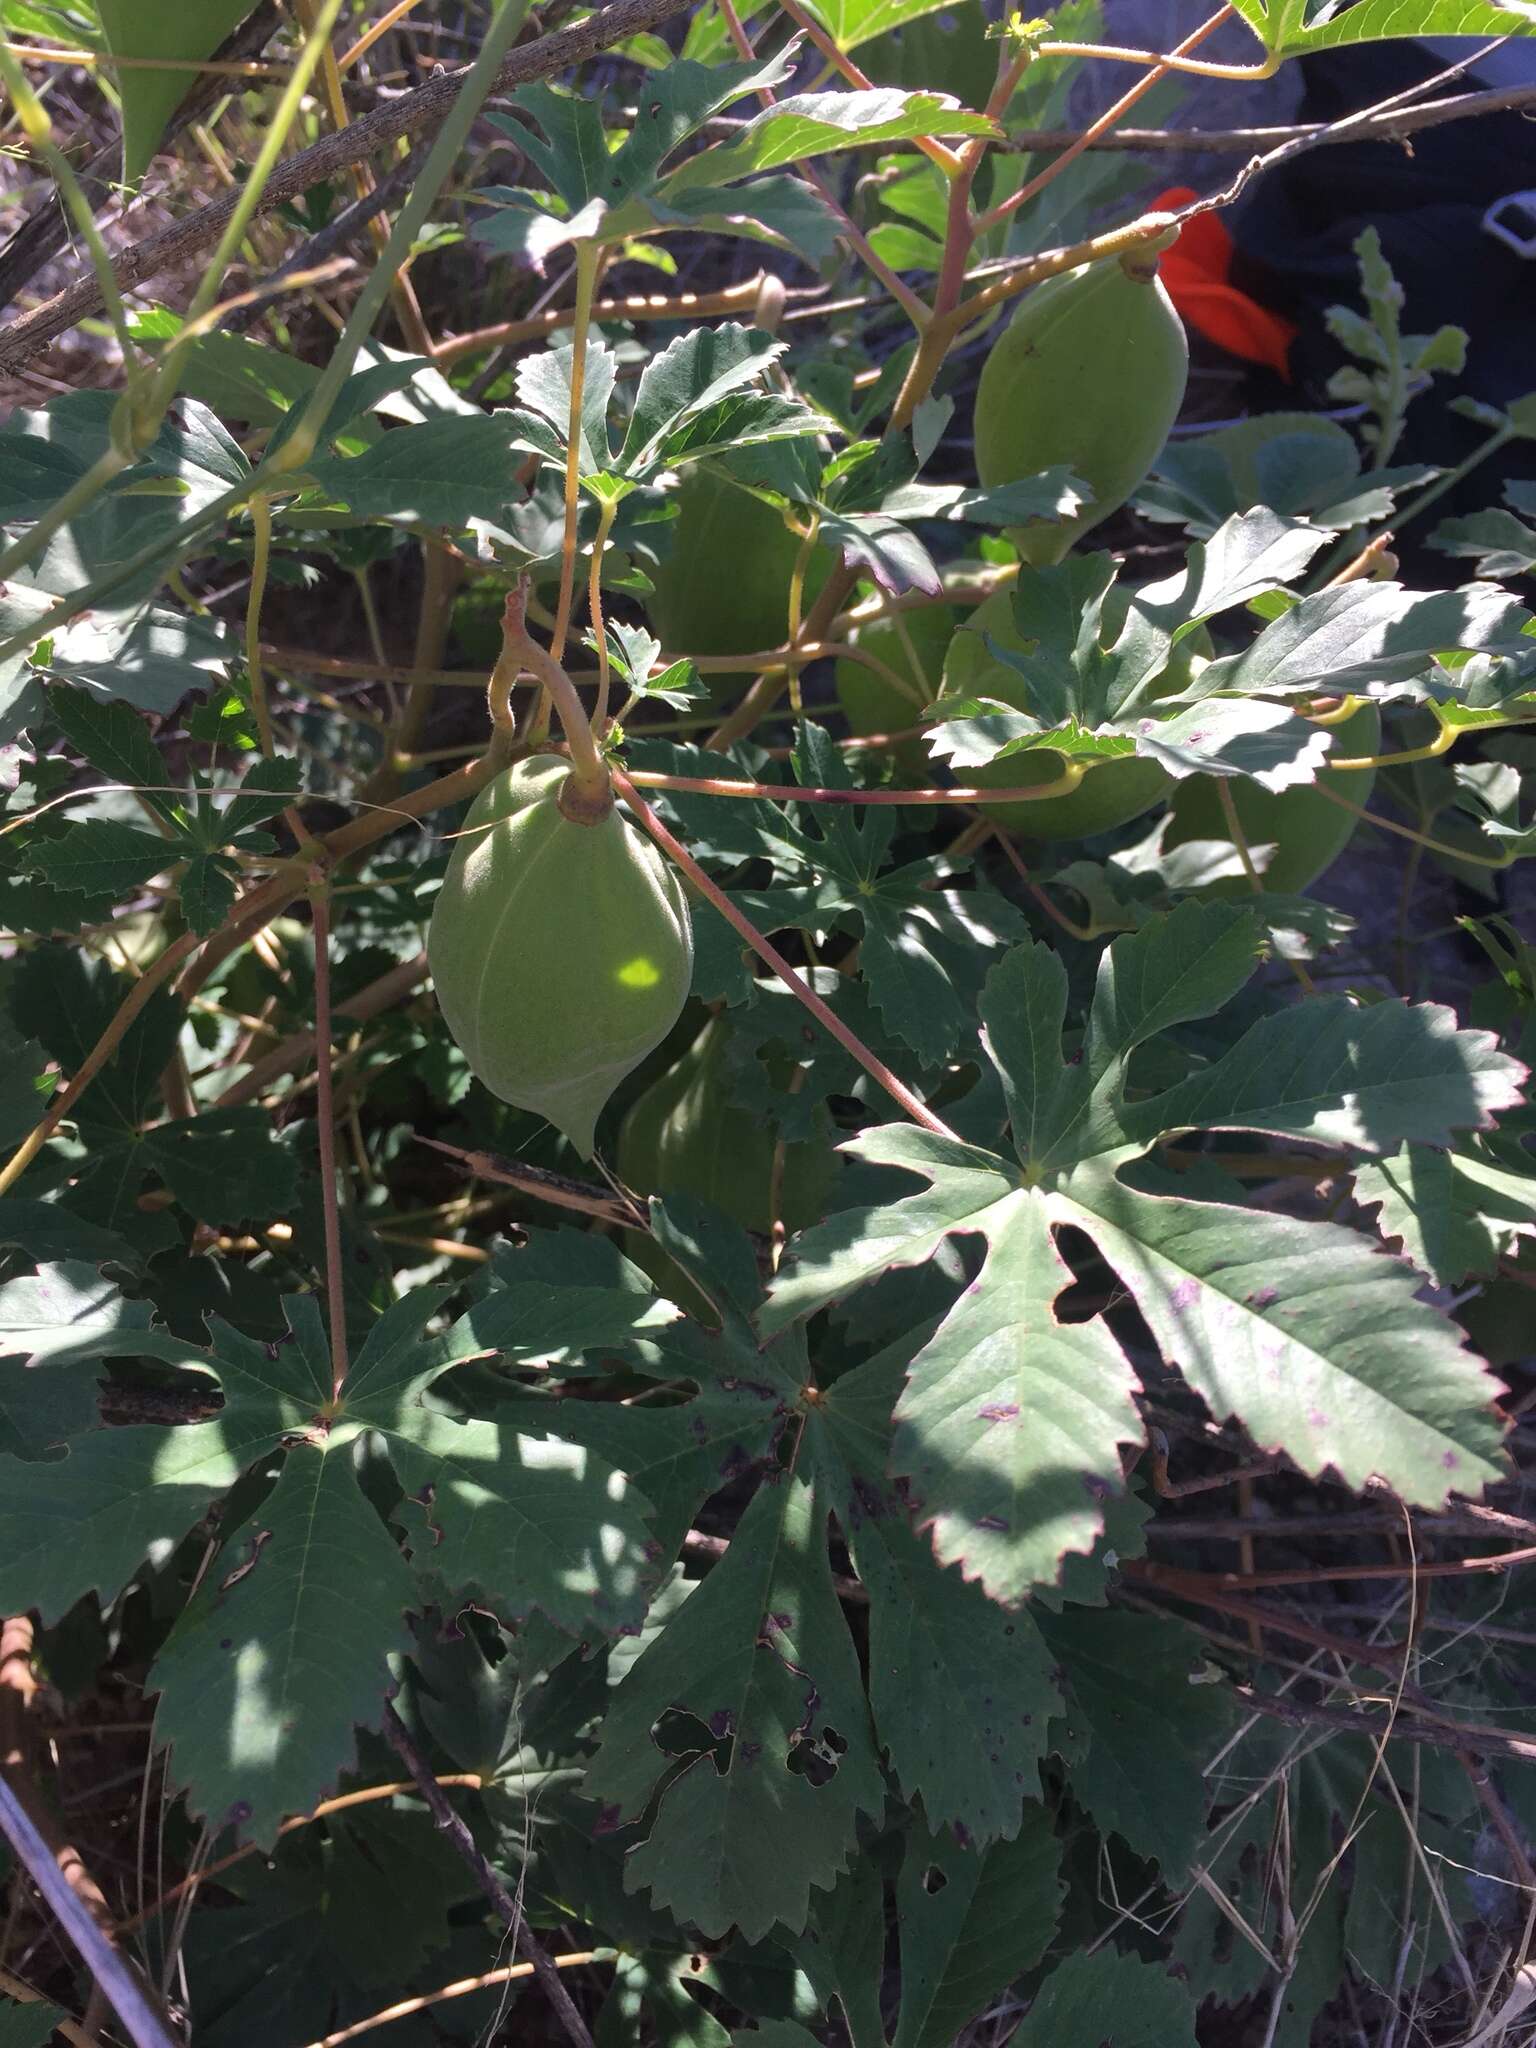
[
  {"x": 912, "y": 644},
  {"x": 1306, "y": 831},
  {"x": 1089, "y": 372},
  {"x": 685, "y": 1136},
  {"x": 724, "y": 588},
  {"x": 562, "y": 953},
  {"x": 1110, "y": 794}
]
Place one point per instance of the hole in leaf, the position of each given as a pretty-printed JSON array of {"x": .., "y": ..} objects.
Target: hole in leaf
[
  {"x": 816, "y": 1757},
  {"x": 682, "y": 1735},
  {"x": 934, "y": 1880}
]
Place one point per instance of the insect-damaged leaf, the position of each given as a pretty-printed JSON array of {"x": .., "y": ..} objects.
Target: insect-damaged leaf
[
  {"x": 283, "y": 1651},
  {"x": 757, "y": 1684}
]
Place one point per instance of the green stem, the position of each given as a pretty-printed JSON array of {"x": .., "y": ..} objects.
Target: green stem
[
  {"x": 311, "y": 51},
  {"x": 588, "y": 259},
  {"x": 325, "y": 1119},
  {"x": 499, "y": 38},
  {"x": 797, "y": 601},
  {"x": 82, "y": 493},
  {"x": 1477, "y": 860},
  {"x": 1453, "y": 477},
  {"x": 261, "y": 557},
  {"x": 605, "y": 519},
  {"x": 79, "y": 601},
  {"x": 38, "y": 129},
  {"x": 521, "y": 650}
]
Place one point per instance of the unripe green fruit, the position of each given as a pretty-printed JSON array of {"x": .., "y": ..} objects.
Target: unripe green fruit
[
  {"x": 1090, "y": 372},
  {"x": 915, "y": 650},
  {"x": 562, "y": 953},
  {"x": 1110, "y": 794},
  {"x": 685, "y": 1136},
  {"x": 724, "y": 588},
  {"x": 1307, "y": 832}
]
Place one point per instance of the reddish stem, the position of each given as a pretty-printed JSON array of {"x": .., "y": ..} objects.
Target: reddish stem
[
  {"x": 709, "y": 785},
  {"x": 1101, "y": 126},
  {"x": 872, "y": 1064},
  {"x": 1056, "y": 915}
]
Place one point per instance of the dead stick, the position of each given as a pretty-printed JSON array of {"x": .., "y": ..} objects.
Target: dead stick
[
  {"x": 463, "y": 1841},
  {"x": 325, "y": 160}
]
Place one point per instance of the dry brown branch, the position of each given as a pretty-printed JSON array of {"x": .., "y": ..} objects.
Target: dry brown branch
[
  {"x": 507, "y": 1974},
  {"x": 45, "y": 231},
  {"x": 425, "y": 106},
  {"x": 1388, "y": 127},
  {"x": 1402, "y": 1727},
  {"x": 294, "y": 1051},
  {"x": 508, "y": 1908},
  {"x": 555, "y": 1188}
]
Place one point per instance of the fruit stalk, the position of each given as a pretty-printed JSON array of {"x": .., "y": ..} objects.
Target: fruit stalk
[
  {"x": 595, "y": 611},
  {"x": 589, "y": 256},
  {"x": 587, "y": 797}
]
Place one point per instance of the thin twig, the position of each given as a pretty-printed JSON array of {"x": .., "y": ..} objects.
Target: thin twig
[
  {"x": 875, "y": 1067},
  {"x": 734, "y": 298},
  {"x": 463, "y": 1841},
  {"x": 426, "y": 106},
  {"x": 1385, "y": 127},
  {"x": 792, "y": 792},
  {"x": 509, "y": 1973},
  {"x": 557, "y": 1189},
  {"x": 1402, "y": 1728}
]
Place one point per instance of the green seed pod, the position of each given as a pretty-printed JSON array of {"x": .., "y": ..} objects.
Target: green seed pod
[
  {"x": 724, "y": 588},
  {"x": 684, "y": 1135},
  {"x": 562, "y": 953},
  {"x": 1110, "y": 794},
  {"x": 914, "y": 649},
  {"x": 1307, "y": 832},
  {"x": 1090, "y": 372}
]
